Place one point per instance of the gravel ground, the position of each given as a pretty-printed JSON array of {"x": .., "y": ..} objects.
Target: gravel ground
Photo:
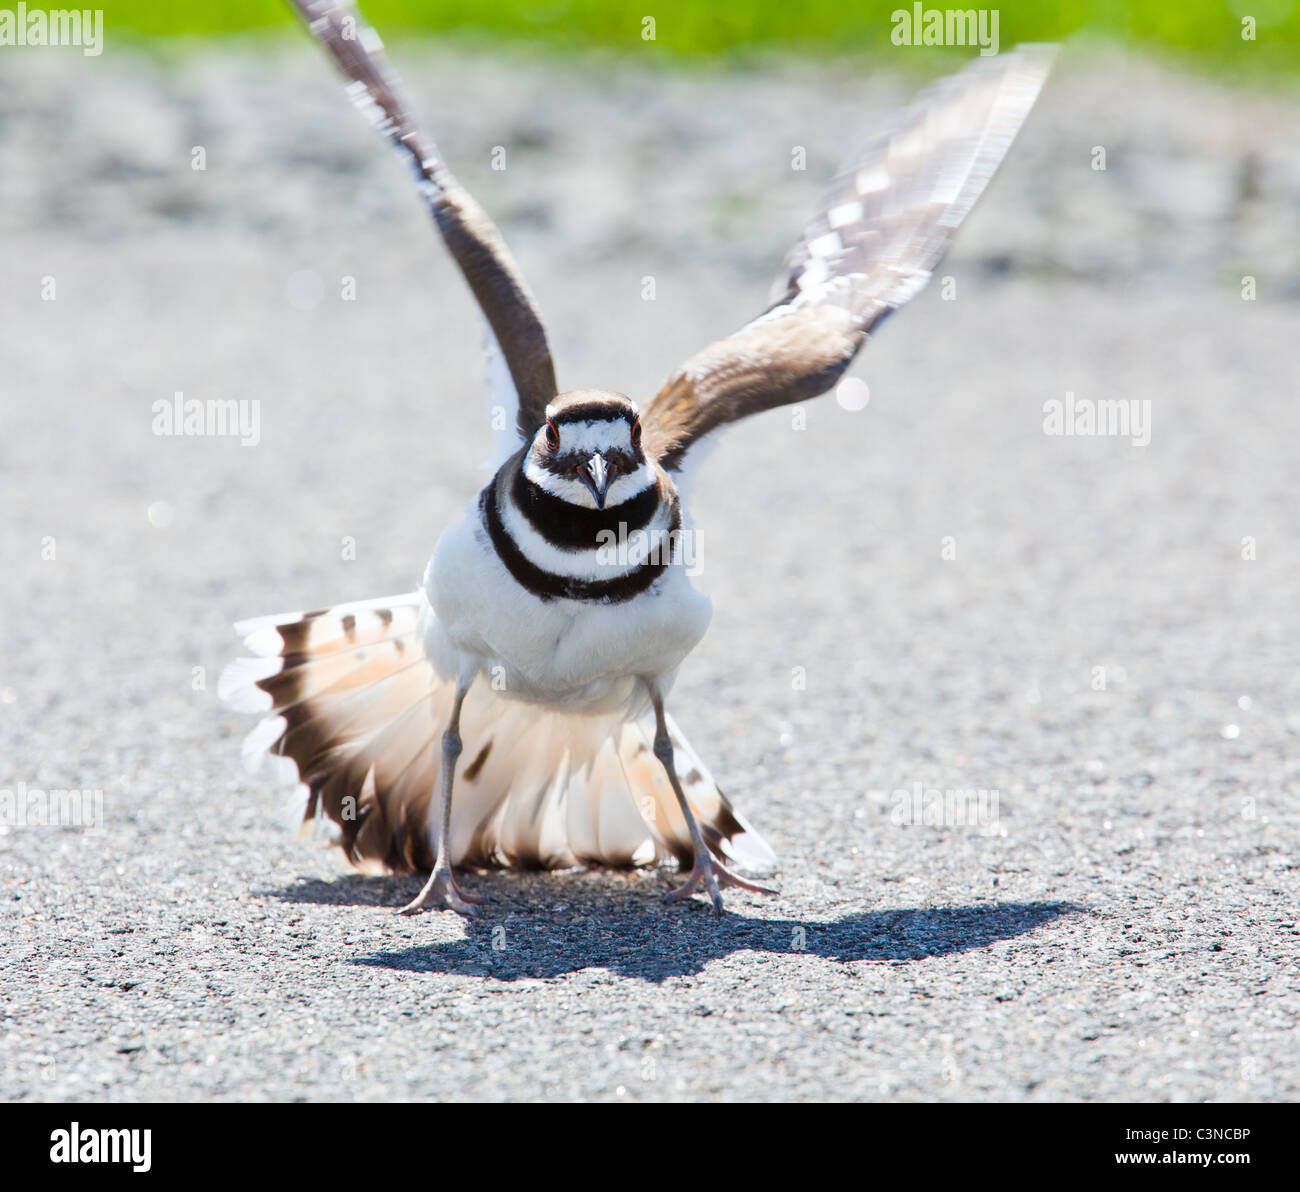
[{"x": 1099, "y": 652}]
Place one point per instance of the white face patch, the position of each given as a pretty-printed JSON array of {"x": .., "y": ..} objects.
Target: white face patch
[
  {"x": 566, "y": 488},
  {"x": 626, "y": 487},
  {"x": 586, "y": 438},
  {"x": 572, "y": 490}
]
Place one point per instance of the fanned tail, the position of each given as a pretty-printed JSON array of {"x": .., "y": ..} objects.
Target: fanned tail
[{"x": 355, "y": 709}]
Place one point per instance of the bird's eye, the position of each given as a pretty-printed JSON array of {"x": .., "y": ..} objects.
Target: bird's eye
[
  {"x": 636, "y": 432},
  {"x": 552, "y": 437}
]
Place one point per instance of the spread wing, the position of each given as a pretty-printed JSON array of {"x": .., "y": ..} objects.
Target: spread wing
[
  {"x": 471, "y": 237},
  {"x": 879, "y": 232}
]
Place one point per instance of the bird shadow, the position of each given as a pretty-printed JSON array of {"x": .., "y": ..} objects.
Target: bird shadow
[{"x": 550, "y": 925}]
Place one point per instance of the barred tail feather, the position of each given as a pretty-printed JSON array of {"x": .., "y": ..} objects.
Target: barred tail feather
[
  {"x": 355, "y": 708},
  {"x": 727, "y": 833}
]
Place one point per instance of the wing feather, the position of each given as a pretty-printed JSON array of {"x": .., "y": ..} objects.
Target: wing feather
[
  {"x": 881, "y": 228},
  {"x": 470, "y": 236}
]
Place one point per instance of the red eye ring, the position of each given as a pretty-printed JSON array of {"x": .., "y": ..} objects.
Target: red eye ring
[
  {"x": 552, "y": 436},
  {"x": 636, "y": 432}
]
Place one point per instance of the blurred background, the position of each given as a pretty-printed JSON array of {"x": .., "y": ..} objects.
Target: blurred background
[
  {"x": 1204, "y": 31},
  {"x": 1104, "y": 633}
]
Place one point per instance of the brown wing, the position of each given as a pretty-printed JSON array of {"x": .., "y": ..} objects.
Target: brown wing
[
  {"x": 882, "y": 227},
  {"x": 469, "y": 234}
]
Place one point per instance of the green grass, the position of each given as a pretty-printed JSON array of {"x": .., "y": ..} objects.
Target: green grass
[{"x": 1207, "y": 32}]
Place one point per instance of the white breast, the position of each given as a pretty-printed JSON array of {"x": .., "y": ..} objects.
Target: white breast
[{"x": 578, "y": 655}]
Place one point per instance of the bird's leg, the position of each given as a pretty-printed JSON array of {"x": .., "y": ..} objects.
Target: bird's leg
[
  {"x": 441, "y": 890},
  {"x": 706, "y": 870}
]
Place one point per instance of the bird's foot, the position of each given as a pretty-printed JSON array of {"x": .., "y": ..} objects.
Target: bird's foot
[
  {"x": 712, "y": 874},
  {"x": 442, "y": 893}
]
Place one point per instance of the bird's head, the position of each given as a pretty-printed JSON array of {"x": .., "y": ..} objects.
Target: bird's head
[{"x": 588, "y": 451}]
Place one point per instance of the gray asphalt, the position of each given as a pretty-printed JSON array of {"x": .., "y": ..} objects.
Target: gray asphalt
[{"x": 1123, "y": 928}]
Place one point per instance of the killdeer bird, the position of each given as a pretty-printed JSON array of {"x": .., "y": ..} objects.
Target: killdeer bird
[{"x": 510, "y": 712}]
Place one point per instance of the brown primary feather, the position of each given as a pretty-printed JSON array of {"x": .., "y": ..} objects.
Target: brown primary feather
[
  {"x": 762, "y": 366},
  {"x": 470, "y": 235},
  {"x": 881, "y": 228}
]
